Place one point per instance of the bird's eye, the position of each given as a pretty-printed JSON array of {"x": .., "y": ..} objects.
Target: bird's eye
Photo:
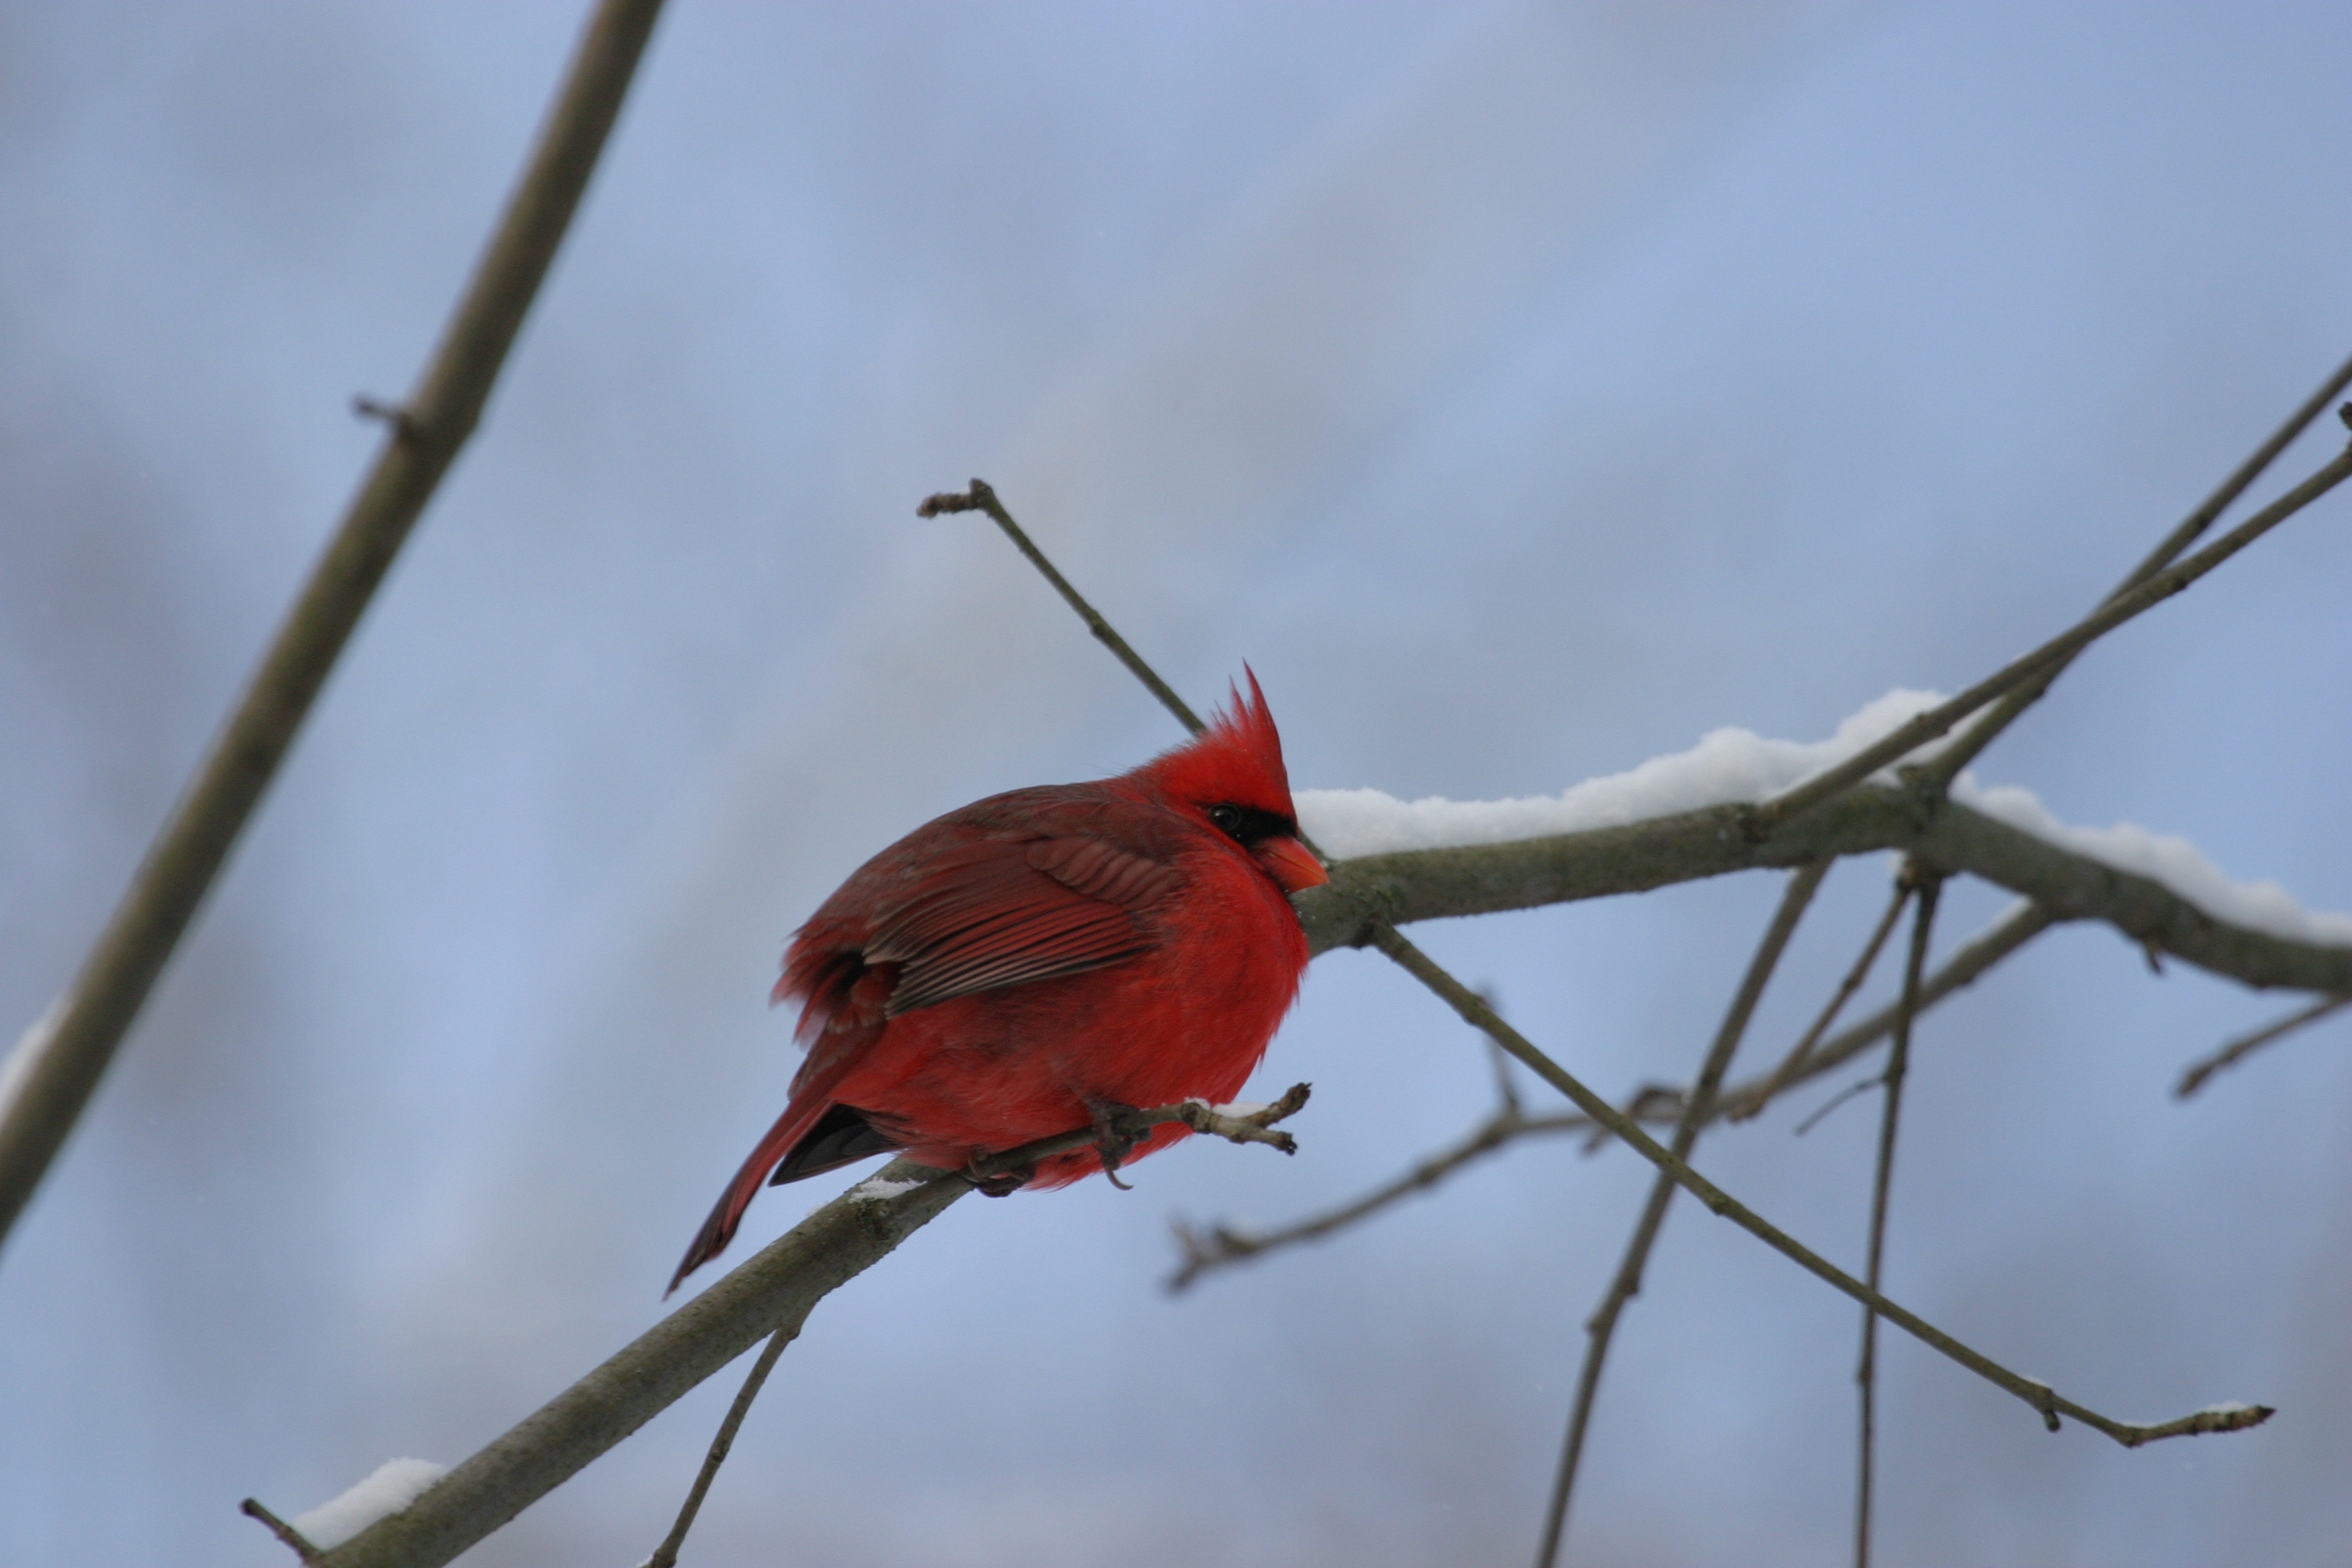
[{"x": 1228, "y": 819}]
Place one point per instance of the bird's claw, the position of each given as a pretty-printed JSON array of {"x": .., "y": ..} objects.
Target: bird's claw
[
  {"x": 996, "y": 1184},
  {"x": 1114, "y": 1139}
]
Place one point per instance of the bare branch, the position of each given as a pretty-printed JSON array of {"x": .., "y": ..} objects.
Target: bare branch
[
  {"x": 1792, "y": 1064},
  {"x": 2008, "y": 935},
  {"x": 2246, "y": 1045},
  {"x": 665, "y": 1554},
  {"x": 1930, "y": 886},
  {"x": 2045, "y": 661},
  {"x": 1220, "y": 1246},
  {"x": 1627, "y": 1284},
  {"x": 58, "y": 1069},
  {"x": 1206, "y": 1250},
  {"x": 1938, "y": 775},
  {"x": 981, "y": 497},
  {"x": 2041, "y": 1397}
]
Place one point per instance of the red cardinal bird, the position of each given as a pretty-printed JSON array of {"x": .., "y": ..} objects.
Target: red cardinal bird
[{"x": 1041, "y": 958}]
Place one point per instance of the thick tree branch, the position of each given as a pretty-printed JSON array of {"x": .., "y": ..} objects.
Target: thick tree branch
[
  {"x": 58, "y": 1064},
  {"x": 773, "y": 1291},
  {"x": 770, "y": 1295},
  {"x": 1482, "y": 878}
]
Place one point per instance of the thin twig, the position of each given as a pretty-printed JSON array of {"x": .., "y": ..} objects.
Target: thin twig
[
  {"x": 1229, "y": 1122},
  {"x": 2009, "y": 933},
  {"x": 1794, "y": 1062},
  {"x": 2041, "y": 1397},
  {"x": 294, "y": 1539},
  {"x": 1898, "y": 1064},
  {"x": 1627, "y": 1284},
  {"x": 1820, "y": 1113},
  {"x": 1938, "y": 775},
  {"x": 2246, "y": 1045},
  {"x": 1204, "y": 1250},
  {"x": 58, "y": 1068},
  {"x": 981, "y": 497},
  {"x": 1761, "y": 821},
  {"x": 665, "y": 1554}
]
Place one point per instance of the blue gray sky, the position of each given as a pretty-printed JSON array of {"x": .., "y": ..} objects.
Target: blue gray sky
[{"x": 1523, "y": 391}]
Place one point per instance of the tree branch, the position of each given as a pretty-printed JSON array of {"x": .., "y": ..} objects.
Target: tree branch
[
  {"x": 2041, "y": 1397},
  {"x": 1220, "y": 1246},
  {"x": 721, "y": 1444},
  {"x": 293, "y": 1539},
  {"x": 1930, "y": 886},
  {"x": 2246, "y": 1045},
  {"x": 771, "y": 1293},
  {"x": 1794, "y": 1062},
  {"x": 981, "y": 497},
  {"x": 1482, "y": 878},
  {"x": 1205, "y": 1250},
  {"x": 1938, "y": 775},
  {"x": 56, "y": 1066},
  {"x": 2044, "y": 662},
  {"x": 1602, "y": 1326}
]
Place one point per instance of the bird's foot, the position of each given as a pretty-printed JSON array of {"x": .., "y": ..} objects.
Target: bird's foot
[
  {"x": 995, "y": 1184},
  {"x": 1115, "y": 1136}
]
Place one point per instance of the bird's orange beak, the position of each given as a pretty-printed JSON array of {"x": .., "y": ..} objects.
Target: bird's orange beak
[{"x": 1290, "y": 863}]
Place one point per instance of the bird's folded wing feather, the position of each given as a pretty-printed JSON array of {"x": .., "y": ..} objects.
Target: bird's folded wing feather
[{"x": 995, "y": 913}]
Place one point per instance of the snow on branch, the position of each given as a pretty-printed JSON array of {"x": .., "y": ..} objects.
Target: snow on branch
[{"x": 1676, "y": 818}]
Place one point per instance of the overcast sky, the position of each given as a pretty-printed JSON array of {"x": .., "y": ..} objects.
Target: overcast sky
[{"x": 1523, "y": 391}]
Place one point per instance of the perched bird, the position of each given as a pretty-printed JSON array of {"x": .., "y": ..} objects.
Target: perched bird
[{"x": 1041, "y": 960}]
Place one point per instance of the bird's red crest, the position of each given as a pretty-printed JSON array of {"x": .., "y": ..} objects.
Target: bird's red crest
[{"x": 1237, "y": 759}]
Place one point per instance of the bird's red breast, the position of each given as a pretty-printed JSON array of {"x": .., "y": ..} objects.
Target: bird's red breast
[{"x": 990, "y": 977}]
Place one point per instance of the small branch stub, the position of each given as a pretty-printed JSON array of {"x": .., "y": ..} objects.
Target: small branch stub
[
  {"x": 252, "y": 1508},
  {"x": 404, "y": 424}
]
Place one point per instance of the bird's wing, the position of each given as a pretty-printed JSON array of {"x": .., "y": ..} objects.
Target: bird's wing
[{"x": 995, "y": 913}]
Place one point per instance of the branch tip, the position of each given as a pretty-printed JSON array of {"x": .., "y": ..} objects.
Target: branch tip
[{"x": 980, "y": 497}]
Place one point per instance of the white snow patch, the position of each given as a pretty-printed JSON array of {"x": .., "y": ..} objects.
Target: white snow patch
[
  {"x": 17, "y": 1066},
  {"x": 1731, "y": 765},
  {"x": 876, "y": 1189},
  {"x": 395, "y": 1484},
  {"x": 2228, "y": 1407},
  {"x": 1238, "y": 1108},
  {"x": 2162, "y": 858},
  {"x": 1727, "y": 765}
]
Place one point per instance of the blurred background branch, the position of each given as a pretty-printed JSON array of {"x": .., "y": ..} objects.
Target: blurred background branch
[{"x": 56, "y": 1067}]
